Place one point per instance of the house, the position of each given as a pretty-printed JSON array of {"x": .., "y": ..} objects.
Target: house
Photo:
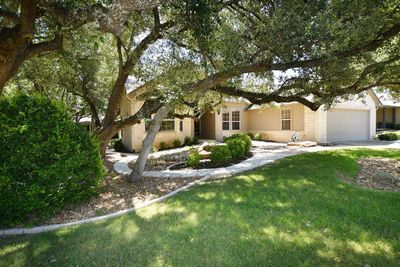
[
  {"x": 171, "y": 128},
  {"x": 388, "y": 112},
  {"x": 347, "y": 121}
]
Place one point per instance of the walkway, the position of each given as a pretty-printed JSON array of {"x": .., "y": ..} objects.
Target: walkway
[{"x": 263, "y": 154}]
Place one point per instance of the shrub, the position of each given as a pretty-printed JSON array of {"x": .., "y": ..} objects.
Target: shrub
[
  {"x": 237, "y": 146},
  {"x": 195, "y": 140},
  {"x": 177, "y": 143},
  {"x": 244, "y": 137},
  {"x": 162, "y": 145},
  {"x": 220, "y": 154},
  {"x": 251, "y": 135},
  {"x": 187, "y": 141},
  {"x": 193, "y": 158},
  {"x": 47, "y": 160},
  {"x": 118, "y": 146},
  {"x": 397, "y": 126},
  {"x": 388, "y": 137},
  {"x": 258, "y": 136}
]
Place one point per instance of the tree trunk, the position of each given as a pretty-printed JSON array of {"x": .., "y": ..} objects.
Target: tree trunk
[
  {"x": 104, "y": 136},
  {"x": 147, "y": 144}
]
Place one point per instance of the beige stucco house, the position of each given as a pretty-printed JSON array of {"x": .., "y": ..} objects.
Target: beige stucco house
[{"x": 347, "y": 121}]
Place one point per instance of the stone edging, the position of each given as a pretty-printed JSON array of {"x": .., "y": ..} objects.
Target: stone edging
[
  {"x": 48, "y": 228},
  {"x": 244, "y": 166}
]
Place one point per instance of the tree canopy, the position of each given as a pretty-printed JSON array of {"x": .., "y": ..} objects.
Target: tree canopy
[{"x": 190, "y": 52}]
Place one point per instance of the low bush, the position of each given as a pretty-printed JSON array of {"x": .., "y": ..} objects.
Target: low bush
[
  {"x": 193, "y": 159},
  {"x": 162, "y": 145},
  {"x": 243, "y": 137},
  {"x": 237, "y": 146},
  {"x": 258, "y": 136},
  {"x": 195, "y": 140},
  {"x": 251, "y": 135},
  {"x": 388, "y": 137},
  {"x": 47, "y": 161},
  {"x": 220, "y": 154},
  {"x": 187, "y": 141},
  {"x": 177, "y": 143}
]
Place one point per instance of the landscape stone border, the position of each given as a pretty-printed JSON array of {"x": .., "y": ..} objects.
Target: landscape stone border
[{"x": 121, "y": 167}]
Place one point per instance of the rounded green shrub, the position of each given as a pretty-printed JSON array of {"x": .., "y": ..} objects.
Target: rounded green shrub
[
  {"x": 243, "y": 137},
  {"x": 162, "y": 145},
  {"x": 46, "y": 162},
  {"x": 187, "y": 141},
  {"x": 177, "y": 143},
  {"x": 193, "y": 159},
  {"x": 388, "y": 137},
  {"x": 220, "y": 154},
  {"x": 237, "y": 146}
]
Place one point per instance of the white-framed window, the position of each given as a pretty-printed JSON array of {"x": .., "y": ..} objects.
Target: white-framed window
[
  {"x": 225, "y": 121},
  {"x": 286, "y": 119},
  {"x": 236, "y": 120},
  {"x": 166, "y": 124}
]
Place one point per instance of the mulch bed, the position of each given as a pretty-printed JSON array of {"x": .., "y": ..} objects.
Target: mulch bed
[
  {"x": 119, "y": 194},
  {"x": 379, "y": 173}
]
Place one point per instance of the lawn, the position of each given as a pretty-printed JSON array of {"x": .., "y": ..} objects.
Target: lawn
[{"x": 296, "y": 212}]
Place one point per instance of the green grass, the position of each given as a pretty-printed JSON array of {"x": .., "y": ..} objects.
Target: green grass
[{"x": 296, "y": 212}]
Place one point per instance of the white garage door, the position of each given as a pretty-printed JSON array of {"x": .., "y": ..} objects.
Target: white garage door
[{"x": 348, "y": 125}]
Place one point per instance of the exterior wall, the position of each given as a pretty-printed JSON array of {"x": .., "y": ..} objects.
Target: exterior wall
[
  {"x": 310, "y": 124},
  {"x": 132, "y": 137},
  {"x": 219, "y": 133},
  {"x": 127, "y": 133},
  {"x": 207, "y": 125},
  {"x": 268, "y": 122}
]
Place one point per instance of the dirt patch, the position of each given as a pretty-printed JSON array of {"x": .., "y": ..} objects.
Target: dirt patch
[
  {"x": 379, "y": 173},
  {"x": 119, "y": 194}
]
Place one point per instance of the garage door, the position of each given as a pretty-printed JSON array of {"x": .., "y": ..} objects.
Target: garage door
[{"x": 348, "y": 125}]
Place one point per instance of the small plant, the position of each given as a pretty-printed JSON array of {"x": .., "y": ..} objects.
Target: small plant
[
  {"x": 154, "y": 149},
  {"x": 177, "y": 143},
  {"x": 220, "y": 154},
  {"x": 162, "y": 145},
  {"x": 187, "y": 141},
  {"x": 388, "y": 137},
  {"x": 251, "y": 135},
  {"x": 193, "y": 158},
  {"x": 258, "y": 136},
  {"x": 195, "y": 140},
  {"x": 237, "y": 146}
]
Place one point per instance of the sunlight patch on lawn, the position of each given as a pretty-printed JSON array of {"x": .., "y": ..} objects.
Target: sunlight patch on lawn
[{"x": 375, "y": 247}]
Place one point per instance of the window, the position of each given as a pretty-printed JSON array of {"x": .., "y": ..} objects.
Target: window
[
  {"x": 286, "y": 118},
  {"x": 225, "y": 121},
  {"x": 166, "y": 125},
  {"x": 181, "y": 125},
  {"x": 235, "y": 120}
]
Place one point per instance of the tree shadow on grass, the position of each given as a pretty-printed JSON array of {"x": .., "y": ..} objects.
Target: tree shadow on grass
[{"x": 279, "y": 215}]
